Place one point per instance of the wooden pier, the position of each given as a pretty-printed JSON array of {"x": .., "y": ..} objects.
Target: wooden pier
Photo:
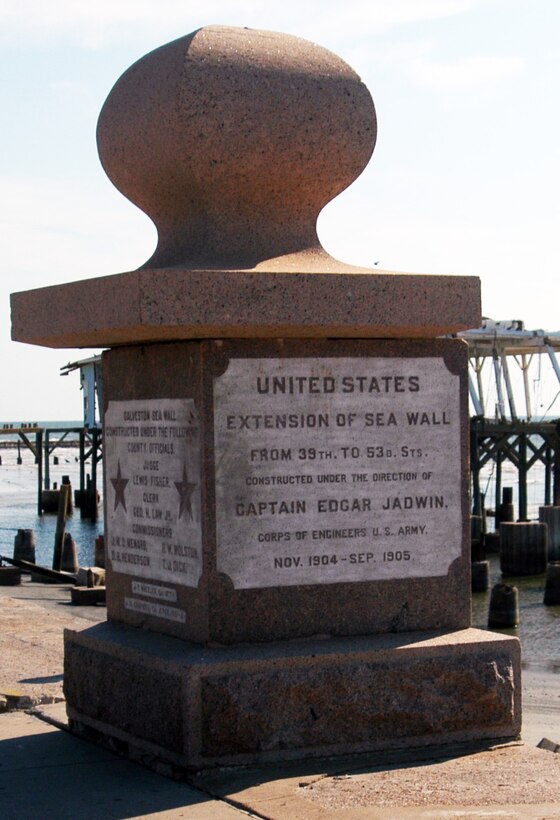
[
  {"x": 514, "y": 436},
  {"x": 43, "y": 441},
  {"x": 523, "y": 444}
]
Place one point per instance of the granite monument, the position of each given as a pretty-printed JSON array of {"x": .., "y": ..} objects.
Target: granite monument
[{"x": 285, "y": 436}]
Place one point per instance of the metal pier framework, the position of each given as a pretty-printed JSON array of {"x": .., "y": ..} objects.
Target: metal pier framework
[{"x": 508, "y": 352}]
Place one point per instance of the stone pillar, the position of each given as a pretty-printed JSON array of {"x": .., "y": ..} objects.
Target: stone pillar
[{"x": 285, "y": 436}]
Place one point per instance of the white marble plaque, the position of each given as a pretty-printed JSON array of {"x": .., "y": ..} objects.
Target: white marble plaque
[
  {"x": 336, "y": 469},
  {"x": 151, "y": 459}
]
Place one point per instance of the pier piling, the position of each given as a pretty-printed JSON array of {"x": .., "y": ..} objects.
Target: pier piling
[
  {"x": 523, "y": 547},
  {"x": 60, "y": 526},
  {"x": 552, "y": 587},
  {"x": 504, "y": 607},
  {"x": 24, "y": 545}
]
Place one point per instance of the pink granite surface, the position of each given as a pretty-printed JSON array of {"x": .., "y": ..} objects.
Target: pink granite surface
[
  {"x": 169, "y": 701},
  {"x": 216, "y": 612},
  {"x": 232, "y": 141},
  {"x": 172, "y": 304}
]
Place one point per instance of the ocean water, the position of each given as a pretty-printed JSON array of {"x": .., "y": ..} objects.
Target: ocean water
[
  {"x": 539, "y": 629},
  {"x": 18, "y": 505}
]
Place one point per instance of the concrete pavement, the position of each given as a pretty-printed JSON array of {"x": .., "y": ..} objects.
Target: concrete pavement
[{"x": 47, "y": 773}]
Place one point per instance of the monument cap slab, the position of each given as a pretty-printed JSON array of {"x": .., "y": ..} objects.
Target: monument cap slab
[{"x": 173, "y": 304}]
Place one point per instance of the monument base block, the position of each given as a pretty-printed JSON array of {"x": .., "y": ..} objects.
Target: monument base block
[{"x": 191, "y": 707}]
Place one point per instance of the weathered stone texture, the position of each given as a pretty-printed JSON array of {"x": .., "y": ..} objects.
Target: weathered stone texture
[
  {"x": 200, "y": 708},
  {"x": 215, "y": 611},
  {"x": 140, "y": 699}
]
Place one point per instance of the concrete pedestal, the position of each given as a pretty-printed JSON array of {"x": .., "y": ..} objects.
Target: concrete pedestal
[{"x": 170, "y": 702}]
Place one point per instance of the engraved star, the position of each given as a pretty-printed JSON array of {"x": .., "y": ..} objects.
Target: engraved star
[
  {"x": 185, "y": 488},
  {"x": 119, "y": 483}
]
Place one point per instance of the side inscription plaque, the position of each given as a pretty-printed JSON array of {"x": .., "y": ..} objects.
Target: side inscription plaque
[
  {"x": 152, "y": 482},
  {"x": 336, "y": 469}
]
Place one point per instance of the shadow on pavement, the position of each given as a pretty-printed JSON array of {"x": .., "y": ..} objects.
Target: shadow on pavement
[{"x": 45, "y": 772}]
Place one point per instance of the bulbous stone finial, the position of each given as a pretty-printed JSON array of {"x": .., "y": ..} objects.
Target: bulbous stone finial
[{"x": 232, "y": 140}]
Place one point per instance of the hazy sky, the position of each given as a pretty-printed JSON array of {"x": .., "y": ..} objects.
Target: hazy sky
[{"x": 464, "y": 178}]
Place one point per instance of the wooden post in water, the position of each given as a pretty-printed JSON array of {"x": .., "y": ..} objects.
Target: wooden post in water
[
  {"x": 498, "y": 499},
  {"x": 523, "y": 547},
  {"x": 70, "y": 506},
  {"x": 522, "y": 473},
  {"x": 60, "y": 525},
  {"x": 82, "y": 465},
  {"x": 47, "y": 460},
  {"x": 39, "y": 459},
  {"x": 69, "y": 559},
  {"x": 504, "y": 607},
  {"x": 507, "y": 510},
  {"x": 94, "y": 452},
  {"x": 24, "y": 545},
  {"x": 556, "y": 469},
  {"x": 548, "y": 475},
  {"x": 552, "y": 585},
  {"x": 475, "y": 469}
]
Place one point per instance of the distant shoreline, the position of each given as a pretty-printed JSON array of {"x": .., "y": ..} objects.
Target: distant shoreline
[
  {"x": 9, "y": 440},
  {"x": 12, "y": 445}
]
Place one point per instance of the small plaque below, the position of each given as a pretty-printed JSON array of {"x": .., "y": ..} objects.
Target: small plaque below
[
  {"x": 154, "y": 591},
  {"x": 152, "y": 484},
  {"x": 337, "y": 469},
  {"x": 156, "y": 610}
]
